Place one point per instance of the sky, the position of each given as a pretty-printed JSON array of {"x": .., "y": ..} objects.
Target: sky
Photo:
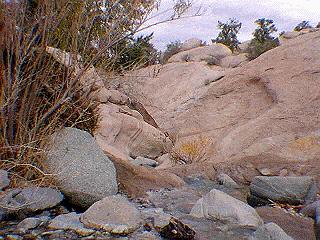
[{"x": 285, "y": 13}]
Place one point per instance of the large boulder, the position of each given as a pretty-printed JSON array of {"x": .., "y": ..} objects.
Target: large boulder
[
  {"x": 136, "y": 181},
  {"x": 217, "y": 205},
  {"x": 80, "y": 168},
  {"x": 293, "y": 190},
  {"x": 125, "y": 130},
  {"x": 191, "y": 43},
  {"x": 233, "y": 61},
  {"x": 113, "y": 214},
  {"x": 216, "y": 51}
]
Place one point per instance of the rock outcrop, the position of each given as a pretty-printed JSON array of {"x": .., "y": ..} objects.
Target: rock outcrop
[{"x": 264, "y": 113}]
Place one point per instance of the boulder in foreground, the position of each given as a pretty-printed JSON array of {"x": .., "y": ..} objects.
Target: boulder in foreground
[
  {"x": 217, "y": 205},
  {"x": 82, "y": 171}
]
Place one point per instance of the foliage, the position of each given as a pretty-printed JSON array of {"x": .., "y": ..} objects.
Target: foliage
[
  {"x": 228, "y": 34},
  {"x": 191, "y": 151},
  {"x": 171, "y": 49},
  {"x": 302, "y": 25},
  {"x": 264, "y": 30},
  {"x": 263, "y": 40},
  {"x": 39, "y": 95},
  {"x": 136, "y": 52}
]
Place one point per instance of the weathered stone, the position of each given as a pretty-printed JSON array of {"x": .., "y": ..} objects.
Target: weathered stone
[
  {"x": 227, "y": 181},
  {"x": 217, "y": 205},
  {"x": 28, "y": 223},
  {"x": 70, "y": 221},
  {"x": 84, "y": 174},
  {"x": 297, "y": 227},
  {"x": 159, "y": 218},
  {"x": 191, "y": 43},
  {"x": 270, "y": 231},
  {"x": 4, "y": 179},
  {"x": 141, "y": 161},
  {"x": 214, "y": 77},
  {"x": 265, "y": 172},
  {"x": 294, "y": 190},
  {"x": 233, "y": 61},
  {"x": 29, "y": 200},
  {"x": 310, "y": 209},
  {"x": 113, "y": 214},
  {"x": 218, "y": 51}
]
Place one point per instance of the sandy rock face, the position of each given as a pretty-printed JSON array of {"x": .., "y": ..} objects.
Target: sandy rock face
[
  {"x": 261, "y": 112},
  {"x": 124, "y": 129}
]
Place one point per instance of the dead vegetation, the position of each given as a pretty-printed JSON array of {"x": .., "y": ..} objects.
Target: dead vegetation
[{"x": 37, "y": 94}]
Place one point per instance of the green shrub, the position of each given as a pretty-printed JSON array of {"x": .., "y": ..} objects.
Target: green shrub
[
  {"x": 256, "y": 48},
  {"x": 263, "y": 40},
  {"x": 302, "y": 25},
  {"x": 228, "y": 34},
  {"x": 172, "y": 49}
]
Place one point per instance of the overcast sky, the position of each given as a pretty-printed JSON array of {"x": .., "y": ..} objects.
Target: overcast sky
[{"x": 286, "y": 14}]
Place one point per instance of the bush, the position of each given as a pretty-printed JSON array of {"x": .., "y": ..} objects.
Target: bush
[
  {"x": 228, "y": 34},
  {"x": 191, "y": 151},
  {"x": 302, "y": 25},
  {"x": 263, "y": 40},
  {"x": 39, "y": 95},
  {"x": 256, "y": 48},
  {"x": 171, "y": 49}
]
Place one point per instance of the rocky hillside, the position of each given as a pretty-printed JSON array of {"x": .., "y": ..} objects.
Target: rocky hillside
[
  {"x": 263, "y": 113},
  {"x": 207, "y": 146}
]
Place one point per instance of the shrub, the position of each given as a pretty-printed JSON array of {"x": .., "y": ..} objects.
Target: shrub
[
  {"x": 191, "y": 151},
  {"x": 228, "y": 34},
  {"x": 171, "y": 49},
  {"x": 263, "y": 40},
  {"x": 39, "y": 95},
  {"x": 256, "y": 48},
  {"x": 302, "y": 25}
]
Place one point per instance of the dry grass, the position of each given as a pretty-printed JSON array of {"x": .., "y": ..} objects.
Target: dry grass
[
  {"x": 191, "y": 151},
  {"x": 37, "y": 94}
]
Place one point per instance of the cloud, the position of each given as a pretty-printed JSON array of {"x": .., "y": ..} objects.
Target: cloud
[{"x": 286, "y": 15}]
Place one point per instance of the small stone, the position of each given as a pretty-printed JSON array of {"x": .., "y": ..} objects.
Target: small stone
[
  {"x": 159, "y": 218},
  {"x": 265, "y": 172},
  {"x": 28, "y": 223},
  {"x": 146, "y": 162},
  {"x": 271, "y": 231},
  {"x": 224, "y": 179},
  {"x": 13, "y": 237},
  {"x": 70, "y": 221},
  {"x": 283, "y": 172},
  {"x": 111, "y": 214},
  {"x": 310, "y": 210},
  {"x": 4, "y": 179}
]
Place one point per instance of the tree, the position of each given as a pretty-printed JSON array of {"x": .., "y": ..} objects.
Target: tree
[
  {"x": 264, "y": 30},
  {"x": 302, "y": 25},
  {"x": 228, "y": 33},
  {"x": 171, "y": 49},
  {"x": 263, "y": 40}
]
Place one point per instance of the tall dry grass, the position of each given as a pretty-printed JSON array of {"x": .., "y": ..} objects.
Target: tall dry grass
[{"x": 39, "y": 95}]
